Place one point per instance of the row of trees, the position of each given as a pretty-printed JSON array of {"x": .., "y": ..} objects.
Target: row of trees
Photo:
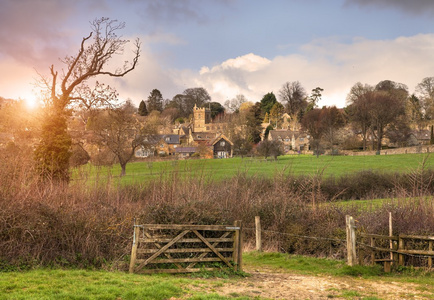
[
  {"x": 181, "y": 105},
  {"x": 386, "y": 109}
]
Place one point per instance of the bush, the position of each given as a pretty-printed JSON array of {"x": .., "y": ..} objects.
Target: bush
[{"x": 90, "y": 223}]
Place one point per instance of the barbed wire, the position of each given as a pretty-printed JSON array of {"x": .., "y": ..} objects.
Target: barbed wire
[{"x": 300, "y": 236}]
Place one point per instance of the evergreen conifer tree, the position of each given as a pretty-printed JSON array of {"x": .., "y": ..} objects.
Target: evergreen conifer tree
[{"x": 142, "y": 111}]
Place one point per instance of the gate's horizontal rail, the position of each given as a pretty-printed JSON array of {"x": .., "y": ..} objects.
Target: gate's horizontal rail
[
  {"x": 180, "y": 260},
  {"x": 185, "y": 250},
  {"x": 187, "y": 240},
  {"x": 189, "y": 227},
  {"x": 174, "y": 271}
]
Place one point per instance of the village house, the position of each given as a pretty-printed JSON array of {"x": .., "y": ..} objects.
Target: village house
[
  {"x": 201, "y": 136},
  {"x": 222, "y": 147},
  {"x": 291, "y": 140}
]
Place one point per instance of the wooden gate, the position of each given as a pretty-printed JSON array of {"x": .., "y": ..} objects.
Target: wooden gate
[{"x": 185, "y": 248}]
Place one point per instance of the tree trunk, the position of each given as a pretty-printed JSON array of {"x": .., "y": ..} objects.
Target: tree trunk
[
  {"x": 380, "y": 138},
  {"x": 123, "y": 169}
]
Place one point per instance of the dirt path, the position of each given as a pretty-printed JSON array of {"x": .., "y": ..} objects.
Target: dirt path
[{"x": 268, "y": 284}]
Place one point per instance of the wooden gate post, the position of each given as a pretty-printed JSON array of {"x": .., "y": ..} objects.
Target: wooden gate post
[
  {"x": 238, "y": 247},
  {"x": 258, "y": 233},
  {"x": 351, "y": 241},
  {"x": 134, "y": 248}
]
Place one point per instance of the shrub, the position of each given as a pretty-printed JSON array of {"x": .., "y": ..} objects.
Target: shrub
[{"x": 88, "y": 223}]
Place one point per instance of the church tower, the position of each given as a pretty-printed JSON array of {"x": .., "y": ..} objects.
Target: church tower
[{"x": 201, "y": 117}]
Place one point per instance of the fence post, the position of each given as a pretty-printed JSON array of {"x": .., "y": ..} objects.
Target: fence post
[
  {"x": 258, "y": 233},
  {"x": 373, "y": 251},
  {"x": 351, "y": 241},
  {"x": 401, "y": 246},
  {"x": 390, "y": 234},
  {"x": 134, "y": 248},
  {"x": 430, "y": 248}
]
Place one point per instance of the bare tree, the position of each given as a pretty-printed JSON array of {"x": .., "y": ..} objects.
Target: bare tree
[
  {"x": 118, "y": 130},
  {"x": 358, "y": 109},
  {"x": 313, "y": 124},
  {"x": 70, "y": 86},
  {"x": 234, "y": 104},
  {"x": 384, "y": 109},
  {"x": 425, "y": 92},
  {"x": 294, "y": 96}
]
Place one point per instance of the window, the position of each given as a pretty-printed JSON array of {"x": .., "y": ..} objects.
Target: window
[
  {"x": 161, "y": 146},
  {"x": 167, "y": 139},
  {"x": 222, "y": 143}
]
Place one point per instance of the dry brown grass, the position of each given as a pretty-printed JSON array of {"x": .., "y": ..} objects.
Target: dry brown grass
[{"x": 89, "y": 224}]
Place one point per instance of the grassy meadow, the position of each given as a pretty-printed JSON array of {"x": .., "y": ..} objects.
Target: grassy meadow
[
  {"x": 289, "y": 164},
  {"x": 101, "y": 284}
]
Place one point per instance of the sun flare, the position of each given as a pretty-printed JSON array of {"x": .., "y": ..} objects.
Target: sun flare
[{"x": 31, "y": 102}]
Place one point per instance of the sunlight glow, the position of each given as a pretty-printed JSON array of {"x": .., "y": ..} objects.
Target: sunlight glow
[{"x": 31, "y": 102}]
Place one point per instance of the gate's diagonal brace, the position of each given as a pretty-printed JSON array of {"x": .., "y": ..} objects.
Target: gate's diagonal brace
[
  {"x": 156, "y": 254},
  {"x": 212, "y": 248},
  {"x": 148, "y": 235},
  {"x": 215, "y": 244}
]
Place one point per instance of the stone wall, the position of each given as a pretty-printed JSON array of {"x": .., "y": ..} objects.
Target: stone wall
[{"x": 404, "y": 150}]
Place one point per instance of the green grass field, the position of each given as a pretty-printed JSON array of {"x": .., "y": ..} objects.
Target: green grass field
[
  {"x": 90, "y": 284},
  {"x": 290, "y": 164}
]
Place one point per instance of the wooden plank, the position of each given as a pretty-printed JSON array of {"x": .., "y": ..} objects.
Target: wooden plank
[
  {"x": 420, "y": 252},
  {"x": 185, "y": 250},
  {"x": 187, "y": 240},
  {"x": 417, "y": 237},
  {"x": 380, "y": 249},
  {"x": 383, "y": 259},
  {"x": 148, "y": 235},
  {"x": 178, "y": 237},
  {"x": 181, "y": 260},
  {"x": 214, "y": 245},
  {"x": 176, "y": 271},
  {"x": 189, "y": 227},
  {"x": 134, "y": 249},
  {"x": 212, "y": 248}
]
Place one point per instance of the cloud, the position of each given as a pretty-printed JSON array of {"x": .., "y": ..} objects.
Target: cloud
[
  {"x": 169, "y": 12},
  {"x": 34, "y": 31},
  {"x": 414, "y": 7},
  {"x": 327, "y": 63}
]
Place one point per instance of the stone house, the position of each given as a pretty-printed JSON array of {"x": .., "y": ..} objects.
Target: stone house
[
  {"x": 291, "y": 140},
  {"x": 419, "y": 137}
]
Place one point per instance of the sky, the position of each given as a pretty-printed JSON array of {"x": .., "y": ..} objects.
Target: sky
[{"x": 228, "y": 47}]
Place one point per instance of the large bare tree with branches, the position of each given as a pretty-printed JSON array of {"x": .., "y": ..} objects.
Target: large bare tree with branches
[{"x": 70, "y": 86}]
